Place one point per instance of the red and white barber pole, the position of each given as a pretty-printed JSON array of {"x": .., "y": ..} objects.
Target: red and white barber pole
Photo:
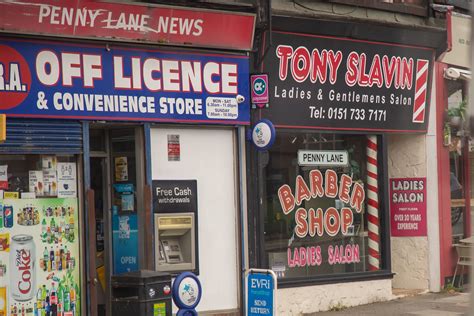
[
  {"x": 22, "y": 268},
  {"x": 373, "y": 204},
  {"x": 421, "y": 83}
]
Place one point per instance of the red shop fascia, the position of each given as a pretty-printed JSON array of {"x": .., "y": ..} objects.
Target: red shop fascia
[{"x": 451, "y": 74}]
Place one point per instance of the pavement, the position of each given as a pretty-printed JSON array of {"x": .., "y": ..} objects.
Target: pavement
[{"x": 429, "y": 304}]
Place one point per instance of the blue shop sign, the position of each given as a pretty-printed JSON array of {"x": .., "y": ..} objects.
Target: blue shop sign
[{"x": 58, "y": 80}]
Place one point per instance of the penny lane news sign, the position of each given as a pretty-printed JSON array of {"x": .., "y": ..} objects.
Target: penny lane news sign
[
  {"x": 129, "y": 22},
  {"x": 58, "y": 80},
  {"x": 408, "y": 207},
  {"x": 344, "y": 84}
]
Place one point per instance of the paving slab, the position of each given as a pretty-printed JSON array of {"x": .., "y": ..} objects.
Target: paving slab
[
  {"x": 429, "y": 304},
  {"x": 434, "y": 312}
]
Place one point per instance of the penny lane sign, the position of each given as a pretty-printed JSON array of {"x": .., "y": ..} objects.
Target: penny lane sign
[
  {"x": 323, "y": 158},
  {"x": 343, "y": 84}
]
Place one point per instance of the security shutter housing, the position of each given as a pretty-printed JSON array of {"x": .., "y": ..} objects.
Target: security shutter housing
[{"x": 42, "y": 137}]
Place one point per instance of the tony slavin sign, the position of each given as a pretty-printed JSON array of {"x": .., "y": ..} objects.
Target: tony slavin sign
[{"x": 343, "y": 84}]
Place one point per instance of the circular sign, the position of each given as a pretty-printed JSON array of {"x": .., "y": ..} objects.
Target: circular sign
[
  {"x": 187, "y": 290},
  {"x": 16, "y": 78},
  {"x": 263, "y": 134},
  {"x": 259, "y": 86}
]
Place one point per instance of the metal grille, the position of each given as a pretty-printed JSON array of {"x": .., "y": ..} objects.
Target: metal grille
[{"x": 42, "y": 136}]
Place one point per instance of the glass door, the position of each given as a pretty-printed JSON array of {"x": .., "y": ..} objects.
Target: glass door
[
  {"x": 100, "y": 218},
  {"x": 114, "y": 210}
]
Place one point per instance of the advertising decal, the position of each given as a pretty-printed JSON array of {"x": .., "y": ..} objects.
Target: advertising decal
[
  {"x": 263, "y": 135},
  {"x": 57, "y": 80},
  {"x": 343, "y": 84},
  {"x": 260, "y": 97},
  {"x": 125, "y": 242},
  {"x": 408, "y": 207},
  {"x": 39, "y": 257},
  {"x": 349, "y": 199},
  {"x": 131, "y": 22}
]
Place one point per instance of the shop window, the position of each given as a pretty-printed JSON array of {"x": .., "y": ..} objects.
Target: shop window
[
  {"x": 97, "y": 140},
  {"x": 315, "y": 220},
  {"x": 459, "y": 155},
  {"x": 31, "y": 176}
]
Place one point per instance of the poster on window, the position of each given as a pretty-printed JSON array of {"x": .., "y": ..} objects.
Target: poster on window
[
  {"x": 121, "y": 169},
  {"x": 67, "y": 180},
  {"x": 36, "y": 182},
  {"x": 408, "y": 207},
  {"x": 4, "y": 177},
  {"x": 39, "y": 257}
]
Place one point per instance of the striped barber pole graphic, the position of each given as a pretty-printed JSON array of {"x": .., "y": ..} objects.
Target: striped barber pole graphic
[
  {"x": 420, "y": 91},
  {"x": 373, "y": 204}
]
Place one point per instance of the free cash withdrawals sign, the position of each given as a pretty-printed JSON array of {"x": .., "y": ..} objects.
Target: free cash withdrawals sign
[
  {"x": 58, "y": 80},
  {"x": 334, "y": 83},
  {"x": 174, "y": 196},
  {"x": 408, "y": 207}
]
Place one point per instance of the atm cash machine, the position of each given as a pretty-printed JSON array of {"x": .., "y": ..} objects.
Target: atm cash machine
[
  {"x": 174, "y": 242},
  {"x": 175, "y": 219}
]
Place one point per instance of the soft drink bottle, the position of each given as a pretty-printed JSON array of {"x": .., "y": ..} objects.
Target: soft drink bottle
[
  {"x": 60, "y": 299},
  {"x": 45, "y": 259},
  {"x": 53, "y": 299},
  {"x": 1, "y": 215},
  {"x": 67, "y": 302},
  {"x": 51, "y": 258},
  {"x": 39, "y": 299},
  {"x": 63, "y": 259},
  {"x": 47, "y": 305},
  {"x": 44, "y": 227}
]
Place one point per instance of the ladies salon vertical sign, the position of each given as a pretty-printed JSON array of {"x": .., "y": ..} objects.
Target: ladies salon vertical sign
[{"x": 408, "y": 207}]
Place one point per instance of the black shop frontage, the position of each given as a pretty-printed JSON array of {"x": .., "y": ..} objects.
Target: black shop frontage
[{"x": 319, "y": 208}]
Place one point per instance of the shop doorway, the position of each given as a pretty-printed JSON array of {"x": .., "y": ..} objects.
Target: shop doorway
[{"x": 116, "y": 179}]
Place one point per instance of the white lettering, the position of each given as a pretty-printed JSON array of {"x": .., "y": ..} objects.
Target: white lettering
[{"x": 47, "y": 68}]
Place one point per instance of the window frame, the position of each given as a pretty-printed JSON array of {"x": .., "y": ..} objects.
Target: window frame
[
  {"x": 257, "y": 255},
  {"x": 406, "y": 8}
]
